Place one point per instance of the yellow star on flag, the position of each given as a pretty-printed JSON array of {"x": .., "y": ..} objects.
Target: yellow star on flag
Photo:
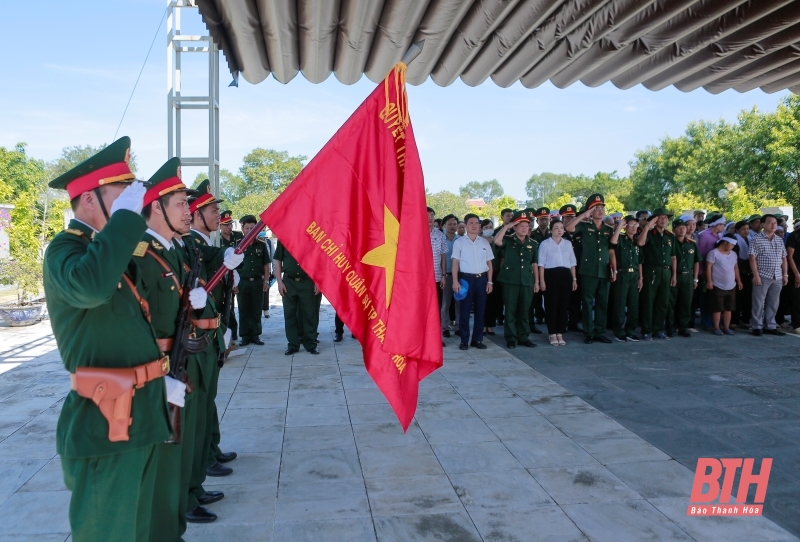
[{"x": 386, "y": 255}]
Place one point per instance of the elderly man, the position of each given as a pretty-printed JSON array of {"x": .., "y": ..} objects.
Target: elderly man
[
  {"x": 769, "y": 267},
  {"x": 596, "y": 268},
  {"x": 472, "y": 261},
  {"x": 659, "y": 273}
]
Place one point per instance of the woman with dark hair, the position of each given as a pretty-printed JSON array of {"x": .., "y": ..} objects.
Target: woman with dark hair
[{"x": 557, "y": 279}]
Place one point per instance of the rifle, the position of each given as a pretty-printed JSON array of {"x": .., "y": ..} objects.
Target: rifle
[
  {"x": 185, "y": 343},
  {"x": 241, "y": 247},
  {"x": 227, "y": 307}
]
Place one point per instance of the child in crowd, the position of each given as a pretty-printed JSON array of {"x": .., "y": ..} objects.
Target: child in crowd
[{"x": 722, "y": 274}]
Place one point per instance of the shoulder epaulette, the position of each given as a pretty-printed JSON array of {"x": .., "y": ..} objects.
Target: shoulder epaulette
[
  {"x": 141, "y": 249},
  {"x": 73, "y": 231},
  {"x": 669, "y": 232},
  {"x": 186, "y": 235}
]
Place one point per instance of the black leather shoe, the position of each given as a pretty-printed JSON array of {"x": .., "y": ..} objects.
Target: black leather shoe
[
  {"x": 588, "y": 339},
  {"x": 314, "y": 351},
  {"x": 244, "y": 342},
  {"x": 337, "y": 337},
  {"x": 776, "y": 332},
  {"x": 210, "y": 497},
  {"x": 757, "y": 332},
  {"x": 290, "y": 351},
  {"x": 603, "y": 339},
  {"x": 200, "y": 515},
  {"x": 479, "y": 346},
  {"x": 259, "y": 342},
  {"x": 462, "y": 346},
  {"x": 226, "y": 457},
  {"x": 218, "y": 469},
  {"x": 446, "y": 333},
  {"x": 536, "y": 330},
  {"x": 511, "y": 344},
  {"x": 529, "y": 344},
  {"x": 685, "y": 333}
]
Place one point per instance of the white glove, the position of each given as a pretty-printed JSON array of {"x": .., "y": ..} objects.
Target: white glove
[
  {"x": 176, "y": 391},
  {"x": 232, "y": 260},
  {"x": 132, "y": 198},
  {"x": 235, "y": 279},
  {"x": 227, "y": 338},
  {"x": 198, "y": 297}
]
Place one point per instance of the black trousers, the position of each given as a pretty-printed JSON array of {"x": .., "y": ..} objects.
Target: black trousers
[
  {"x": 558, "y": 283},
  {"x": 795, "y": 299},
  {"x": 339, "y": 325},
  {"x": 744, "y": 297}
]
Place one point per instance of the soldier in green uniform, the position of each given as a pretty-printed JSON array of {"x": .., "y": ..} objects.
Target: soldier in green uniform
[
  {"x": 596, "y": 267},
  {"x": 539, "y": 233},
  {"x": 520, "y": 278},
  {"x": 229, "y": 238},
  {"x": 300, "y": 302},
  {"x": 687, "y": 261},
  {"x": 108, "y": 448},
  {"x": 166, "y": 211},
  {"x": 254, "y": 274},
  {"x": 207, "y": 458},
  {"x": 625, "y": 290},
  {"x": 568, "y": 213},
  {"x": 658, "y": 273}
]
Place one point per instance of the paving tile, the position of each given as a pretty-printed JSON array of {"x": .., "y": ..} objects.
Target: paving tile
[
  {"x": 412, "y": 495},
  {"x": 655, "y": 479},
  {"x": 620, "y": 448},
  {"x": 586, "y": 424},
  {"x": 376, "y": 413},
  {"x": 272, "y": 399},
  {"x": 540, "y": 523},
  {"x": 555, "y": 451},
  {"x": 34, "y": 513},
  {"x": 399, "y": 461},
  {"x": 327, "y": 464},
  {"x": 249, "y": 468},
  {"x": 623, "y": 521},
  {"x": 253, "y": 440},
  {"x": 719, "y": 527},
  {"x": 383, "y": 435},
  {"x": 322, "y": 500},
  {"x": 522, "y": 427},
  {"x": 564, "y": 403},
  {"x": 342, "y": 530},
  {"x": 252, "y": 418},
  {"x": 584, "y": 484},
  {"x": 445, "y": 410},
  {"x": 311, "y": 416},
  {"x": 475, "y": 457},
  {"x": 214, "y": 532},
  {"x": 320, "y": 437},
  {"x": 246, "y": 504},
  {"x": 502, "y": 491},
  {"x": 458, "y": 430},
  {"x": 365, "y": 396},
  {"x": 262, "y": 385},
  {"x": 49, "y": 478},
  {"x": 426, "y": 528},
  {"x": 501, "y": 407}
]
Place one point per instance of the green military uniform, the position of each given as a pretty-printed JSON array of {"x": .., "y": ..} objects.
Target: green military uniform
[
  {"x": 232, "y": 242},
  {"x": 536, "y": 310},
  {"x": 679, "y": 312},
  {"x": 98, "y": 322},
  {"x": 593, "y": 271},
  {"x": 516, "y": 275},
  {"x": 625, "y": 290},
  {"x": 251, "y": 290},
  {"x": 657, "y": 269},
  {"x": 574, "y": 315},
  {"x": 300, "y": 304}
]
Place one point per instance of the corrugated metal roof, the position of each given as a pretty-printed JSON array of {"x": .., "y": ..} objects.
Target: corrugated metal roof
[{"x": 714, "y": 44}]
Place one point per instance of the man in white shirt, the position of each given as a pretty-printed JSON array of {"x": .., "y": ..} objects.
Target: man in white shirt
[
  {"x": 472, "y": 261},
  {"x": 450, "y": 223},
  {"x": 439, "y": 246}
]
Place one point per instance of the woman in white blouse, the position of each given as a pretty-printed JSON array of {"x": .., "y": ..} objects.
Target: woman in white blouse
[{"x": 557, "y": 280}]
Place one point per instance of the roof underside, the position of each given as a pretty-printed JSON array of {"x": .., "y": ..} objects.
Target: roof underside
[{"x": 714, "y": 44}]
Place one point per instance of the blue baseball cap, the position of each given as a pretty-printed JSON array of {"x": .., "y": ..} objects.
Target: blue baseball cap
[{"x": 462, "y": 293}]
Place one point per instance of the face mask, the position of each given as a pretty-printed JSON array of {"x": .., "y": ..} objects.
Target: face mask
[{"x": 487, "y": 233}]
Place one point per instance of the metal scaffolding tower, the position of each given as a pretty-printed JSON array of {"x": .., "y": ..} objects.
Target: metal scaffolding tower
[{"x": 177, "y": 44}]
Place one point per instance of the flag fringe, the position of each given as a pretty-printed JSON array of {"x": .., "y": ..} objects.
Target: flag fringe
[{"x": 399, "y": 80}]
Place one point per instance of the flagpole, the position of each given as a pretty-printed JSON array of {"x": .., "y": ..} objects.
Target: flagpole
[{"x": 241, "y": 247}]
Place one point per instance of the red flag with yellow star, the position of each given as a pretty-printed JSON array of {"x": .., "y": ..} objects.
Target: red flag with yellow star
[{"x": 356, "y": 221}]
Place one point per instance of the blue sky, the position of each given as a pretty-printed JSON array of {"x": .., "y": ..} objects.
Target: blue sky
[{"x": 70, "y": 68}]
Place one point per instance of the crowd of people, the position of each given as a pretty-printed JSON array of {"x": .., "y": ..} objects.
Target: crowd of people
[{"x": 644, "y": 276}]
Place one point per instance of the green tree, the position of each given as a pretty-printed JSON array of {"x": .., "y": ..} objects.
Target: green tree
[
  {"x": 542, "y": 187},
  {"x": 679, "y": 202},
  {"x": 253, "y": 204},
  {"x": 72, "y": 156},
  {"x": 487, "y": 190},
  {"x": 445, "y": 203},
  {"x": 560, "y": 201},
  {"x": 268, "y": 170},
  {"x": 493, "y": 208}
]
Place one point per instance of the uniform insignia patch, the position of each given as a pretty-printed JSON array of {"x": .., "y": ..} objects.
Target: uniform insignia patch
[
  {"x": 73, "y": 231},
  {"x": 141, "y": 249},
  {"x": 156, "y": 245}
]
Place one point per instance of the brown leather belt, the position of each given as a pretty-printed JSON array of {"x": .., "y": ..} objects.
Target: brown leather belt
[
  {"x": 142, "y": 374},
  {"x": 206, "y": 323},
  {"x": 165, "y": 344}
]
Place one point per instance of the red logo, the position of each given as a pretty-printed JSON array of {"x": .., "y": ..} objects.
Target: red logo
[{"x": 716, "y": 501}]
